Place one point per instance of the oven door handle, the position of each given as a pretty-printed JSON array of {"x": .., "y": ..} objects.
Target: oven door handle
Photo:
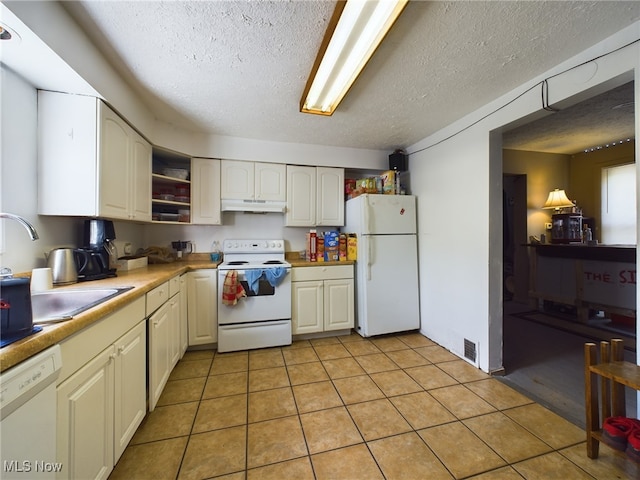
[{"x": 241, "y": 326}]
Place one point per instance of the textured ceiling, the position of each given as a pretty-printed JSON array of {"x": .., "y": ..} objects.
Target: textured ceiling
[
  {"x": 239, "y": 67},
  {"x": 596, "y": 122}
]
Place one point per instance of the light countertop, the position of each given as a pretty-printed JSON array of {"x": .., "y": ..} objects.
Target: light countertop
[{"x": 142, "y": 280}]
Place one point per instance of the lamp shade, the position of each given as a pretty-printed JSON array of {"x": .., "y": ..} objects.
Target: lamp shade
[{"x": 557, "y": 199}]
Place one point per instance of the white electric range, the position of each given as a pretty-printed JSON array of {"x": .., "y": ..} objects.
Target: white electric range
[{"x": 262, "y": 318}]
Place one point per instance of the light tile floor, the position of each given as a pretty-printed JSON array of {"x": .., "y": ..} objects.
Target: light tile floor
[{"x": 395, "y": 407}]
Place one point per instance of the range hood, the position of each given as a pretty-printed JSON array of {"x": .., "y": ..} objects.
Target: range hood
[{"x": 254, "y": 206}]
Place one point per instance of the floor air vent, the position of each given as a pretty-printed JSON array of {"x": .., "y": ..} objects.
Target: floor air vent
[{"x": 470, "y": 350}]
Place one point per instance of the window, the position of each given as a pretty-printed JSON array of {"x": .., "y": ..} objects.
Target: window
[{"x": 618, "y": 210}]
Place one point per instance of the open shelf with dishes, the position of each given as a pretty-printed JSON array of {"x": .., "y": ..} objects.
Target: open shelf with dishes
[{"x": 171, "y": 187}]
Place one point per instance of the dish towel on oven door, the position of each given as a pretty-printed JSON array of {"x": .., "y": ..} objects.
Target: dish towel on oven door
[
  {"x": 232, "y": 289},
  {"x": 274, "y": 277}
]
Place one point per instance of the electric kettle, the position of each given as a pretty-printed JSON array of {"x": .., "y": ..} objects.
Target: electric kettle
[{"x": 62, "y": 262}]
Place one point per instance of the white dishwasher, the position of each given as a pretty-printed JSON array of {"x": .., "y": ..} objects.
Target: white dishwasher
[{"x": 28, "y": 417}]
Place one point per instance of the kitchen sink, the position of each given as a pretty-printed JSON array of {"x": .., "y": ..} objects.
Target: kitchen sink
[{"x": 54, "y": 306}]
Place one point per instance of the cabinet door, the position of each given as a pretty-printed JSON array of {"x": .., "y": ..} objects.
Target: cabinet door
[
  {"x": 141, "y": 153},
  {"x": 205, "y": 191},
  {"x": 307, "y": 307},
  {"x": 202, "y": 306},
  {"x": 338, "y": 304},
  {"x": 85, "y": 420},
  {"x": 237, "y": 180},
  {"x": 184, "y": 329},
  {"x": 130, "y": 386},
  {"x": 114, "y": 178},
  {"x": 67, "y": 143},
  {"x": 159, "y": 353},
  {"x": 330, "y": 192},
  {"x": 174, "y": 338},
  {"x": 301, "y": 196},
  {"x": 270, "y": 181}
]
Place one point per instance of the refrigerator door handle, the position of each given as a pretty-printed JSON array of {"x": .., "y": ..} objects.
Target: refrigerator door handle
[
  {"x": 365, "y": 210},
  {"x": 369, "y": 258}
]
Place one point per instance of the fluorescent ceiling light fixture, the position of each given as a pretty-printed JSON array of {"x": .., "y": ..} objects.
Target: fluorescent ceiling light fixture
[{"x": 356, "y": 29}]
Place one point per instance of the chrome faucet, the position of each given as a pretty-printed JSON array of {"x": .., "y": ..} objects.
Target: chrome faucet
[{"x": 30, "y": 228}]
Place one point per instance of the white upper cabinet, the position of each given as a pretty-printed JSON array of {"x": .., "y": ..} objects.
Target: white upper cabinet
[
  {"x": 90, "y": 161},
  {"x": 141, "y": 179},
  {"x": 301, "y": 196},
  {"x": 205, "y": 191},
  {"x": 330, "y": 192},
  {"x": 270, "y": 181},
  {"x": 315, "y": 196},
  {"x": 253, "y": 181}
]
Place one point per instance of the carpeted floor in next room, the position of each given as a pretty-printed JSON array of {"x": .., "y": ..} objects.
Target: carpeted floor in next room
[{"x": 544, "y": 358}]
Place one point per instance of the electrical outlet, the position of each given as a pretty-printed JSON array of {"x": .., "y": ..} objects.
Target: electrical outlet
[
  {"x": 128, "y": 248},
  {"x": 548, "y": 226}
]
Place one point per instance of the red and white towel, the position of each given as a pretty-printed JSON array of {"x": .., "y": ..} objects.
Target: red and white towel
[{"x": 232, "y": 289}]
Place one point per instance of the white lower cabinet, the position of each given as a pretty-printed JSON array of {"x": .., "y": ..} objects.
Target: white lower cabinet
[
  {"x": 130, "y": 393},
  {"x": 165, "y": 330},
  {"x": 101, "y": 398},
  {"x": 85, "y": 420},
  {"x": 322, "y": 299},
  {"x": 159, "y": 353},
  {"x": 184, "y": 325},
  {"x": 202, "y": 306}
]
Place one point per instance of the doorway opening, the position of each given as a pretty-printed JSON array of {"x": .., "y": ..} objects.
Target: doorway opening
[{"x": 543, "y": 353}]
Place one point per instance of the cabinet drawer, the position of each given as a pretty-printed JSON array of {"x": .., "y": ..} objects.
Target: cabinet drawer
[
  {"x": 80, "y": 348},
  {"x": 303, "y": 274},
  {"x": 156, "y": 297},
  {"x": 174, "y": 286}
]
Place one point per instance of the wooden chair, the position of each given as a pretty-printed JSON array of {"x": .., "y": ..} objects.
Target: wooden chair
[{"x": 614, "y": 374}]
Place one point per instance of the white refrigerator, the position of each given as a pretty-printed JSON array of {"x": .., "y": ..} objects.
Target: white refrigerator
[{"x": 387, "y": 263}]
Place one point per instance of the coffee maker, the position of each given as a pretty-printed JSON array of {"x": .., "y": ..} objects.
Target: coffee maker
[{"x": 98, "y": 253}]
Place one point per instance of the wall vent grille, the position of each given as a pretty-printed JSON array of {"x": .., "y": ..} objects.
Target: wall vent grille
[{"x": 470, "y": 350}]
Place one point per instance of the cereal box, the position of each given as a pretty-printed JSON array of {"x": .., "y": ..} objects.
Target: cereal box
[
  {"x": 331, "y": 246},
  {"x": 352, "y": 247},
  {"x": 343, "y": 247},
  {"x": 389, "y": 182}
]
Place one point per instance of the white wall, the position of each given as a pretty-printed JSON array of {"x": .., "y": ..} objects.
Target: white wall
[
  {"x": 236, "y": 225},
  {"x": 18, "y": 181},
  {"x": 457, "y": 176}
]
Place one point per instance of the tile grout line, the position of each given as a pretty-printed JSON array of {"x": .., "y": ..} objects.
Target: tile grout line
[{"x": 386, "y": 397}]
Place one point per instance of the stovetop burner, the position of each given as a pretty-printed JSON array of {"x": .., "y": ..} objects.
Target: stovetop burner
[
  {"x": 237, "y": 262},
  {"x": 272, "y": 262}
]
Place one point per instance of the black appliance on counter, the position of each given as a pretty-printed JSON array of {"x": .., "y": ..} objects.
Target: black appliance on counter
[
  {"x": 16, "y": 319},
  {"x": 97, "y": 257}
]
